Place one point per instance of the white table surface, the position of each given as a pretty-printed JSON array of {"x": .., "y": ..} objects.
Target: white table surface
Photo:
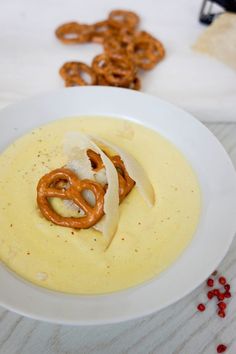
[
  {"x": 31, "y": 55},
  {"x": 179, "y": 329}
]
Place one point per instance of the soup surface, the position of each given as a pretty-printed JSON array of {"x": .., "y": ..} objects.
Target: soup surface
[{"x": 148, "y": 240}]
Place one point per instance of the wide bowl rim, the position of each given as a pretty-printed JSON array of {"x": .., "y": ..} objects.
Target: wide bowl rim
[{"x": 59, "y": 307}]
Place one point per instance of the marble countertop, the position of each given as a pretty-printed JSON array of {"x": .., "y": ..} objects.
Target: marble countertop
[{"x": 179, "y": 329}]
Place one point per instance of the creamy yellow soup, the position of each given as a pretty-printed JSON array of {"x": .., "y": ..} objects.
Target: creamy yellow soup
[{"x": 148, "y": 240}]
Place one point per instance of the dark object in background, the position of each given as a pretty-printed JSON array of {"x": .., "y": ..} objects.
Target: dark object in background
[{"x": 207, "y": 16}]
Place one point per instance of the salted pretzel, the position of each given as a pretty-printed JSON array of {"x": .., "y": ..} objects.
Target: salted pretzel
[
  {"x": 95, "y": 160},
  {"x": 100, "y": 64},
  {"x": 116, "y": 44},
  {"x": 125, "y": 51},
  {"x": 99, "y": 31},
  {"x": 117, "y": 40},
  {"x": 146, "y": 50},
  {"x": 125, "y": 182},
  {"x": 123, "y": 18},
  {"x": 72, "y": 72},
  {"x": 117, "y": 71},
  {"x": 73, "y": 32},
  {"x": 71, "y": 189},
  {"x": 121, "y": 72}
]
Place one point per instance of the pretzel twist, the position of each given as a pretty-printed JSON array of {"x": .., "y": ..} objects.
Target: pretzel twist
[
  {"x": 116, "y": 70},
  {"x": 126, "y": 50},
  {"x": 146, "y": 50},
  {"x": 72, "y": 72},
  {"x": 72, "y": 189},
  {"x": 100, "y": 31},
  {"x": 126, "y": 183},
  {"x": 120, "y": 18}
]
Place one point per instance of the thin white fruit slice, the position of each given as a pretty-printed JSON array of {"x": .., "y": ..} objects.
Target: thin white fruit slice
[
  {"x": 76, "y": 141},
  {"x": 134, "y": 169}
]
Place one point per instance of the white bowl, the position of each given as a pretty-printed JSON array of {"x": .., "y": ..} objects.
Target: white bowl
[{"x": 215, "y": 229}]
